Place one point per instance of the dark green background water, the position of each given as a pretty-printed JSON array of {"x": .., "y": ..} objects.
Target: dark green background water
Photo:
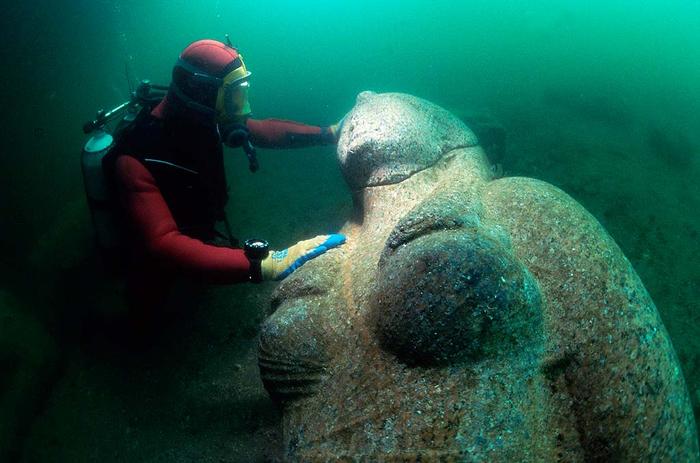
[{"x": 600, "y": 98}]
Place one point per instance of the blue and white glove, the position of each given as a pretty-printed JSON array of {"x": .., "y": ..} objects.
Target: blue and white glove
[
  {"x": 279, "y": 264},
  {"x": 337, "y": 128}
]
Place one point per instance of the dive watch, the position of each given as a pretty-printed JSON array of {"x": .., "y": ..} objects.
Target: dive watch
[{"x": 256, "y": 250}]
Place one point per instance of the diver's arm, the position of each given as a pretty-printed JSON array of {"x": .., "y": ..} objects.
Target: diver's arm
[
  {"x": 279, "y": 133},
  {"x": 153, "y": 222}
]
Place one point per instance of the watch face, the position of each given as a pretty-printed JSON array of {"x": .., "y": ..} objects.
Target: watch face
[
  {"x": 256, "y": 244},
  {"x": 256, "y": 248}
]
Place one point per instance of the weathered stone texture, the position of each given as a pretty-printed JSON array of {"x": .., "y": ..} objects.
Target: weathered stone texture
[{"x": 467, "y": 318}]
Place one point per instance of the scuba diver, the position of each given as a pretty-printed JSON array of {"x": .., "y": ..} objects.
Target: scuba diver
[{"x": 166, "y": 170}]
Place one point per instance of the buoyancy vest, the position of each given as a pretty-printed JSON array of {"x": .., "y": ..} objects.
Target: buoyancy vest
[{"x": 186, "y": 161}]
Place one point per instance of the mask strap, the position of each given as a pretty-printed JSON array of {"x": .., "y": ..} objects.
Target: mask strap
[
  {"x": 190, "y": 103},
  {"x": 199, "y": 75}
]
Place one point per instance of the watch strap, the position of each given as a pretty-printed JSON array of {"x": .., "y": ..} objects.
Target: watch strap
[{"x": 255, "y": 274}]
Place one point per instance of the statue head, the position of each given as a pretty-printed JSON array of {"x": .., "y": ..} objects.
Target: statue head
[{"x": 386, "y": 138}]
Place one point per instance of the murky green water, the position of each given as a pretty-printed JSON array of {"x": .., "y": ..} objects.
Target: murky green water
[{"x": 599, "y": 98}]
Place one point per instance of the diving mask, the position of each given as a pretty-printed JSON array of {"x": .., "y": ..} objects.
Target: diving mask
[{"x": 232, "y": 100}]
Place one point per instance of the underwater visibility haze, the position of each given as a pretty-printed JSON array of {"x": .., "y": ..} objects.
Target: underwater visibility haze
[{"x": 599, "y": 99}]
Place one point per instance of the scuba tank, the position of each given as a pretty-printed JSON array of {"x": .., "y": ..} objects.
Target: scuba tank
[{"x": 98, "y": 189}]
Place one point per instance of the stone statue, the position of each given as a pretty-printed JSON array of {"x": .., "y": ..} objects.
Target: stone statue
[{"x": 467, "y": 318}]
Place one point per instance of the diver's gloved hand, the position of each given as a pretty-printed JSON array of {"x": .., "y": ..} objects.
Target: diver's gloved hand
[
  {"x": 279, "y": 264},
  {"x": 337, "y": 128}
]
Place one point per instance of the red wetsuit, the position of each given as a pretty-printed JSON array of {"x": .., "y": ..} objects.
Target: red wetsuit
[{"x": 161, "y": 251}]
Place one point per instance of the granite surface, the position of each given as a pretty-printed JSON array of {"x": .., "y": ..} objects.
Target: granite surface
[{"x": 467, "y": 318}]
